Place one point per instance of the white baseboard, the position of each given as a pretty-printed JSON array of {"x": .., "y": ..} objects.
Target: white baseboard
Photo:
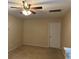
[
  {"x": 34, "y": 44},
  {"x": 9, "y": 50}
]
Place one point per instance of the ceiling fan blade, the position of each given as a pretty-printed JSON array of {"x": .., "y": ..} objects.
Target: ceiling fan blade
[
  {"x": 36, "y": 7},
  {"x": 33, "y": 12},
  {"x": 20, "y": 12},
  {"x": 16, "y": 7},
  {"x": 23, "y": 1},
  {"x": 56, "y": 10}
]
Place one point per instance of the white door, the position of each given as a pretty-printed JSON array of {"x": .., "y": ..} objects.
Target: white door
[{"x": 54, "y": 34}]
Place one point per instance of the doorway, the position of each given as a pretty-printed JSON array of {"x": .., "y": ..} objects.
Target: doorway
[{"x": 54, "y": 29}]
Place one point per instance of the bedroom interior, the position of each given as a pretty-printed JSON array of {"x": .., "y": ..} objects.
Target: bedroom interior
[{"x": 39, "y": 29}]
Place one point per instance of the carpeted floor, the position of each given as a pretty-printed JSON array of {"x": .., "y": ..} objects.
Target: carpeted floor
[{"x": 32, "y": 52}]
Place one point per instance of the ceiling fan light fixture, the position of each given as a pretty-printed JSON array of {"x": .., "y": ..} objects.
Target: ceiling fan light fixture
[
  {"x": 26, "y": 5},
  {"x": 26, "y": 13}
]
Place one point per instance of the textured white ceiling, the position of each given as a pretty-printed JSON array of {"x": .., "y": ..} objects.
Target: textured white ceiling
[{"x": 46, "y": 4}]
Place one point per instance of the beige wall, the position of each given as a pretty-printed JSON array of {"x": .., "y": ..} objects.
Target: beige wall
[
  {"x": 15, "y": 26},
  {"x": 66, "y": 30},
  {"x": 36, "y": 31}
]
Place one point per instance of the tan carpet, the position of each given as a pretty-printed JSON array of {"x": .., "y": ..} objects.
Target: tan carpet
[{"x": 32, "y": 52}]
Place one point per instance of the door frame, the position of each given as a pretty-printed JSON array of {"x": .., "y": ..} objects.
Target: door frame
[{"x": 49, "y": 35}]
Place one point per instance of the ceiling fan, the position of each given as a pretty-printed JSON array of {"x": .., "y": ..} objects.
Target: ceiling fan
[{"x": 27, "y": 9}]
